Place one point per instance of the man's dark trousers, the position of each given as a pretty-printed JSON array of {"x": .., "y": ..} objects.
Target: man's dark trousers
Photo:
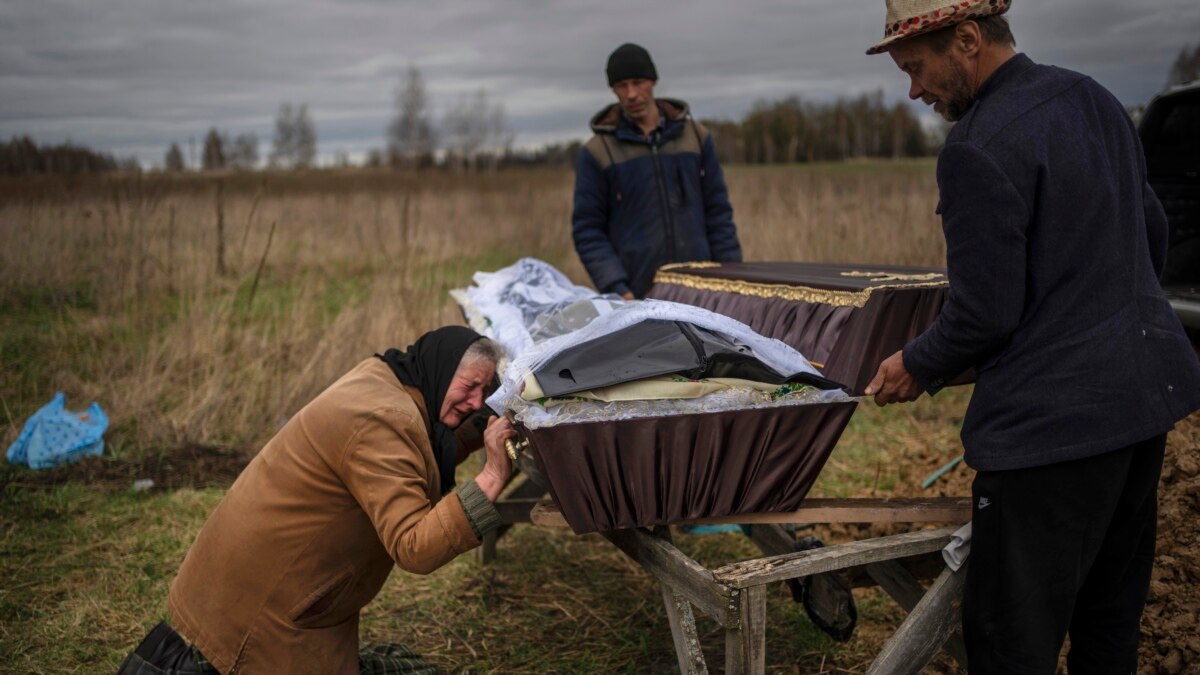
[{"x": 1062, "y": 549}]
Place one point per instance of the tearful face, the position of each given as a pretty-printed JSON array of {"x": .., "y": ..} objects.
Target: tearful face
[{"x": 467, "y": 390}]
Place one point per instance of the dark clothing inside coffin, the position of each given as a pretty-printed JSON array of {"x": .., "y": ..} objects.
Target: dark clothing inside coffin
[{"x": 653, "y": 348}]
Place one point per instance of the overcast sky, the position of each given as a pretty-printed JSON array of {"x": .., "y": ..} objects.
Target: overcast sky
[{"x": 131, "y": 76}]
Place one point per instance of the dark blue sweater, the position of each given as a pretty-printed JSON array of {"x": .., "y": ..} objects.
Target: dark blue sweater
[{"x": 1054, "y": 247}]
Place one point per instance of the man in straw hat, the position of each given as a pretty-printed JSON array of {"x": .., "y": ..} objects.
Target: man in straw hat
[{"x": 1054, "y": 247}]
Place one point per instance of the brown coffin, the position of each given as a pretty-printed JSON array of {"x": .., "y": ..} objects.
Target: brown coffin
[
  {"x": 657, "y": 470},
  {"x": 846, "y": 319}
]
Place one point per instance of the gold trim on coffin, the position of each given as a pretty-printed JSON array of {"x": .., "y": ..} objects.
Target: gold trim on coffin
[
  {"x": 807, "y": 294},
  {"x": 697, "y": 265},
  {"x": 893, "y": 276}
]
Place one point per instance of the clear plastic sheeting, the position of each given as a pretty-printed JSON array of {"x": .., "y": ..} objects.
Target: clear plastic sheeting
[
  {"x": 511, "y": 300},
  {"x": 535, "y": 313},
  {"x": 571, "y": 318},
  {"x": 535, "y": 416}
]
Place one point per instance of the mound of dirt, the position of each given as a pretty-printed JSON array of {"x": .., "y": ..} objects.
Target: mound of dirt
[
  {"x": 190, "y": 465},
  {"x": 1170, "y": 642}
]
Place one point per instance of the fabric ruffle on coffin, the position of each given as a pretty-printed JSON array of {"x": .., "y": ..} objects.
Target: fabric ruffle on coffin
[{"x": 657, "y": 470}]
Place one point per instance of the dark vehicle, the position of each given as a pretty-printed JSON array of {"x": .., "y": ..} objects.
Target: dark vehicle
[{"x": 1170, "y": 131}]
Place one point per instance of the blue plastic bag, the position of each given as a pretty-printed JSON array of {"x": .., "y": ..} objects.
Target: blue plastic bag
[{"x": 55, "y": 435}]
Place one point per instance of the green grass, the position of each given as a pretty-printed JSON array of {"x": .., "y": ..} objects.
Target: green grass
[
  {"x": 76, "y": 559},
  {"x": 39, "y": 326},
  {"x": 885, "y": 450},
  {"x": 89, "y": 570}
]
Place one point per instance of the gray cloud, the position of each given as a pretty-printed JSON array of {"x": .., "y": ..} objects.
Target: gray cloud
[{"x": 131, "y": 76}]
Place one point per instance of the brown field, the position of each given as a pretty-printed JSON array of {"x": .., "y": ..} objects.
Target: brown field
[
  {"x": 181, "y": 353},
  {"x": 199, "y": 345}
]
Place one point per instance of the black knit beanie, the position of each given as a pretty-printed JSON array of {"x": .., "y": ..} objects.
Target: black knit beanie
[{"x": 629, "y": 61}]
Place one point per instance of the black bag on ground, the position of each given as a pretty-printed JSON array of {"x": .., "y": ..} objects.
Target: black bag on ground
[{"x": 826, "y": 597}]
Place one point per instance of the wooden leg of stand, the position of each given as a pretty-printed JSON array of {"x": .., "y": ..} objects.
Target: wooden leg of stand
[
  {"x": 746, "y": 646},
  {"x": 929, "y": 624},
  {"x": 487, "y": 548},
  {"x": 486, "y": 552},
  {"x": 683, "y": 632},
  {"x": 773, "y": 539},
  {"x": 907, "y": 592}
]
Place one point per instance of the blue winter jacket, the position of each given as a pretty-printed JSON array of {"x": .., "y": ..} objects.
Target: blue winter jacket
[{"x": 644, "y": 202}]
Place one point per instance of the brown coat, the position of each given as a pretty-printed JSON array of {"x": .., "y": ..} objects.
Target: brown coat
[{"x": 308, "y": 533}]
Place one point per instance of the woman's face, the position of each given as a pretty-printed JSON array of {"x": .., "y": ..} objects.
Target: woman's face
[{"x": 467, "y": 391}]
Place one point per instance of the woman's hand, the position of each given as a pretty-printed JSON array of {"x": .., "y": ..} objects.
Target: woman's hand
[{"x": 498, "y": 467}]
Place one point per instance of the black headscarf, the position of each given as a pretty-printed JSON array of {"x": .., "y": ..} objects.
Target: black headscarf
[{"x": 429, "y": 365}]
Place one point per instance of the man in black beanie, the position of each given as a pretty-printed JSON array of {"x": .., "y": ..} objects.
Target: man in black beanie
[{"x": 648, "y": 188}]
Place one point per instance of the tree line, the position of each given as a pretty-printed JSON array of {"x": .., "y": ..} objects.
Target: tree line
[
  {"x": 22, "y": 156},
  {"x": 294, "y": 145},
  {"x": 473, "y": 133},
  {"x": 790, "y": 130},
  {"x": 793, "y": 130}
]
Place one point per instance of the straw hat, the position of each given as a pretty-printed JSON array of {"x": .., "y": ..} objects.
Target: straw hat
[{"x": 906, "y": 18}]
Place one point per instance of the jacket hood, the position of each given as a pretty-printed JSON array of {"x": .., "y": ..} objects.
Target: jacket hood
[{"x": 607, "y": 120}]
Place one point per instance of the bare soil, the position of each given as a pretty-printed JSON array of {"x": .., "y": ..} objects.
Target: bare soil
[
  {"x": 1170, "y": 639},
  {"x": 190, "y": 465}
]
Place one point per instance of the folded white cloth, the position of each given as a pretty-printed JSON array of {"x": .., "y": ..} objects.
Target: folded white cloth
[{"x": 955, "y": 553}]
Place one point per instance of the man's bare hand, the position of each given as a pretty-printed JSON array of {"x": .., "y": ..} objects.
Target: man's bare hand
[
  {"x": 893, "y": 383},
  {"x": 627, "y": 295},
  {"x": 498, "y": 467}
]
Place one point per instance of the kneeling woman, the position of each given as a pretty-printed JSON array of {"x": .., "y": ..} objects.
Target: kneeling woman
[{"x": 308, "y": 533}]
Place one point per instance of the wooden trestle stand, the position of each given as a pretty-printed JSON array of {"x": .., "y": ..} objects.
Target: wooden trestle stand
[{"x": 735, "y": 594}]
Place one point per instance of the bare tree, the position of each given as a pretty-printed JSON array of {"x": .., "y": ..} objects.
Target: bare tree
[
  {"x": 474, "y": 127},
  {"x": 500, "y": 135},
  {"x": 374, "y": 158},
  {"x": 295, "y": 142},
  {"x": 174, "y": 159},
  {"x": 1186, "y": 67},
  {"x": 464, "y": 128},
  {"x": 283, "y": 144},
  {"x": 243, "y": 151},
  {"x": 306, "y": 139},
  {"x": 410, "y": 135},
  {"x": 213, "y": 157}
]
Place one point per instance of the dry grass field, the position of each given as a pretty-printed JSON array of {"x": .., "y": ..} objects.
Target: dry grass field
[
  {"x": 201, "y": 311},
  {"x": 112, "y": 290}
]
